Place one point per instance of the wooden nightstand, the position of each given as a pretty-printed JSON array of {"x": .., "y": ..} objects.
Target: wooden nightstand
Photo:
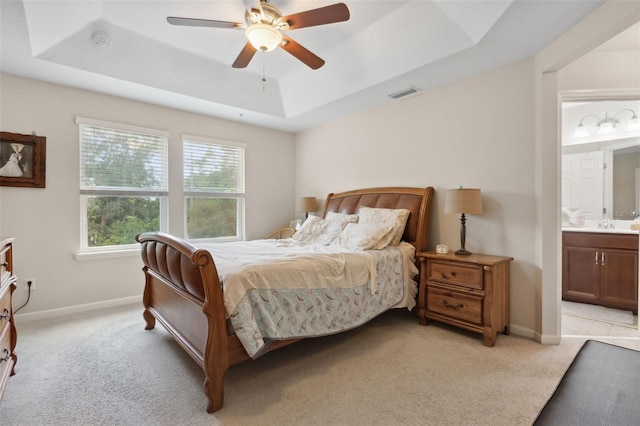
[{"x": 470, "y": 292}]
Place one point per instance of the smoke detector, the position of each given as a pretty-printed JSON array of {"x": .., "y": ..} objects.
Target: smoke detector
[{"x": 102, "y": 41}]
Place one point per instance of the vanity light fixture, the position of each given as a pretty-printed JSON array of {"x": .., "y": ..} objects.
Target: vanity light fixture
[{"x": 608, "y": 124}]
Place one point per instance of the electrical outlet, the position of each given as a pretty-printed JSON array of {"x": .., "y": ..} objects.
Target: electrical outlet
[{"x": 26, "y": 284}]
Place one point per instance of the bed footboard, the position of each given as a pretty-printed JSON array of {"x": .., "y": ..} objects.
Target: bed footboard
[{"x": 182, "y": 292}]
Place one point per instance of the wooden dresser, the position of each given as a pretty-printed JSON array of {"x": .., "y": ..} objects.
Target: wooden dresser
[
  {"x": 8, "y": 336},
  {"x": 470, "y": 292}
]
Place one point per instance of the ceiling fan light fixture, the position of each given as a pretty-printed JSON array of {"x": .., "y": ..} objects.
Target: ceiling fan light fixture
[{"x": 263, "y": 37}]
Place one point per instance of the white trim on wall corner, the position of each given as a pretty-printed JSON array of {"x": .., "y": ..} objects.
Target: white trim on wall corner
[
  {"x": 70, "y": 310},
  {"x": 523, "y": 332}
]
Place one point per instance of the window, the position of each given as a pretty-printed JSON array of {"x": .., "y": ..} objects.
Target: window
[
  {"x": 123, "y": 183},
  {"x": 213, "y": 183}
]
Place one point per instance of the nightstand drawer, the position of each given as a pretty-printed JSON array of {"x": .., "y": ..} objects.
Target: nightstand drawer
[
  {"x": 462, "y": 306},
  {"x": 456, "y": 273}
]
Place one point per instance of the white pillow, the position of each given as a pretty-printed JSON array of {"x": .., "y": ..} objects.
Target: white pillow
[
  {"x": 397, "y": 218},
  {"x": 360, "y": 236},
  {"x": 316, "y": 230},
  {"x": 350, "y": 218}
]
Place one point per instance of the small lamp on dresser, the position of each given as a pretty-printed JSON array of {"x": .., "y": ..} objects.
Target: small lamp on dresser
[
  {"x": 463, "y": 201},
  {"x": 306, "y": 205}
]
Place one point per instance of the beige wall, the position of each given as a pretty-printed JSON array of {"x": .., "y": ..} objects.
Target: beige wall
[
  {"x": 497, "y": 131},
  {"x": 46, "y": 222},
  {"x": 476, "y": 133}
]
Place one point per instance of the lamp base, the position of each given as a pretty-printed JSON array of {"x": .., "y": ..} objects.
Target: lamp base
[{"x": 463, "y": 252}]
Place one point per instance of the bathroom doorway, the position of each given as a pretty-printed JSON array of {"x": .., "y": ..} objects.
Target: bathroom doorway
[{"x": 600, "y": 199}]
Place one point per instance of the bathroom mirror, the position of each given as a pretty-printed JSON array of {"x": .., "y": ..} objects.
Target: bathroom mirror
[{"x": 601, "y": 158}]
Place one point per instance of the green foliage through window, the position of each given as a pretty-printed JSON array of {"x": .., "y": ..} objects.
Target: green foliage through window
[
  {"x": 212, "y": 217},
  {"x": 113, "y": 221}
]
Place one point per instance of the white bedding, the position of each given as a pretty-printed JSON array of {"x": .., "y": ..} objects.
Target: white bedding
[{"x": 281, "y": 289}]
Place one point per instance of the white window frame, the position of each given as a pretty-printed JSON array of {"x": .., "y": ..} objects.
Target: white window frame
[
  {"x": 239, "y": 196},
  {"x": 163, "y": 195}
]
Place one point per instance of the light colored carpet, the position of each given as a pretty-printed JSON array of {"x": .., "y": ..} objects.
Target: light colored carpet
[
  {"x": 600, "y": 313},
  {"x": 105, "y": 369}
]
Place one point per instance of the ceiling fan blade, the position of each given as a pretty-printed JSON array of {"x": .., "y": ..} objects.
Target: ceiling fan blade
[
  {"x": 338, "y": 12},
  {"x": 245, "y": 56},
  {"x": 309, "y": 58},
  {"x": 193, "y": 22}
]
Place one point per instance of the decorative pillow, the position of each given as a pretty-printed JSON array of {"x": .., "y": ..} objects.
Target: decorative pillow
[
  {"x": 361, "y": 236},
  {"x": 316, "y": 230},
  {"x": 397, "y": 218},
  {"x": 349, "y": 218}
]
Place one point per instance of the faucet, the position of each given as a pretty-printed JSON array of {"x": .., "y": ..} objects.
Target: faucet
[{"x": 606, "y": 223}]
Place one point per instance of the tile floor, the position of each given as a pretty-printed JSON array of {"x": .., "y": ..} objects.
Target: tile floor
[{"x": 573, "y": 325}]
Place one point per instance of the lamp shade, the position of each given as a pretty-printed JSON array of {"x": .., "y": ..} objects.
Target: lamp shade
[
  {"x": 581, "y": 131},
  {"x": 307, "y": 204},
  {"x": 463, "y": 200},
  {"x": 263, "y": 37},
  {"x": 606, "y": 128}
]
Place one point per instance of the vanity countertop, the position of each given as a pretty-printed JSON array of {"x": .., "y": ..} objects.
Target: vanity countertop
[{"x": 602, "y": 231}]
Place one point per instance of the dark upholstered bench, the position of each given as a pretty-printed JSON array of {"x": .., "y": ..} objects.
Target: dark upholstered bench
[{"x": 600, "y": 387}]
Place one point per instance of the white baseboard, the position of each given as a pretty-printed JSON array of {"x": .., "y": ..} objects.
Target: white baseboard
[
  {"x": 50, "y": 313},
  {"x": 523, "y": 332}
]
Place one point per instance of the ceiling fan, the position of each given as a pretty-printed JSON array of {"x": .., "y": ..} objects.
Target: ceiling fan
[{"x": 263, "y": 28}]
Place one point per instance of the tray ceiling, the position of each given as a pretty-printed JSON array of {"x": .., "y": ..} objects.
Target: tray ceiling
[{"x": 385, "y": 47}]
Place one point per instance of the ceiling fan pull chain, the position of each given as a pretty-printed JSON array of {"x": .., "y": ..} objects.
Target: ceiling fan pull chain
[{"x": 264, "y": 79}]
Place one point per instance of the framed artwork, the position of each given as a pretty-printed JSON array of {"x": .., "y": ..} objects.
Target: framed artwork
[{"x": 22, "y": 160}]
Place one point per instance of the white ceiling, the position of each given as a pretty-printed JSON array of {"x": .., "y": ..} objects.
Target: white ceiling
[{"x": 385, "y": 47}]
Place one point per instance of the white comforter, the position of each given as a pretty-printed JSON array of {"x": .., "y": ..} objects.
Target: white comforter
[{"x": 281, "y": 289}]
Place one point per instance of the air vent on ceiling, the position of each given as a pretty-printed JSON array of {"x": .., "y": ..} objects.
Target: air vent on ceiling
[{"x": 405, "y": 92}]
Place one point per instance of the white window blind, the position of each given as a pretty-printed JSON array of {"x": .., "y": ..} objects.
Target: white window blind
[
  {"x": 122, "y": 159},
  {"x": 213, "y": 167}
]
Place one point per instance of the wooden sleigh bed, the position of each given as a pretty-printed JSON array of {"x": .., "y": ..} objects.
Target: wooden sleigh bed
[{"x": 183, "y": 290}]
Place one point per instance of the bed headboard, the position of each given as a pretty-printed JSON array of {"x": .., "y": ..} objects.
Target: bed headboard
[{"x": 416, "y": 200}]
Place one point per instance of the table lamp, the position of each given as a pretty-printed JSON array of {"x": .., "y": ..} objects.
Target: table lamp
[
  {"x": 306, "y": 205},
  {"x": 463, "y": 201}
]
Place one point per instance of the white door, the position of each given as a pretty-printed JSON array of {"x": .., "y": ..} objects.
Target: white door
[{"x": 582, "y": 176}]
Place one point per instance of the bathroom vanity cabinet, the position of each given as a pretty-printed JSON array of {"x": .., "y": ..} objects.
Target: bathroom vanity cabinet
[{"x": 600, "y": 268}]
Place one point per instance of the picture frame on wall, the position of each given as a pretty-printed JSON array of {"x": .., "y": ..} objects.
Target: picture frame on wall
[{"x": 22, "y": 160}]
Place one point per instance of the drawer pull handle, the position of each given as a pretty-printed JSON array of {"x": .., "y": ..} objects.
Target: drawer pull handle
[
  {"x": 446, "y": 277},
  {"x": 450, "y": 306},
  {"x": 5, "y": 314},
  {"x": 6, "y": 357},
  {"x": 4, "y": 264}
]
